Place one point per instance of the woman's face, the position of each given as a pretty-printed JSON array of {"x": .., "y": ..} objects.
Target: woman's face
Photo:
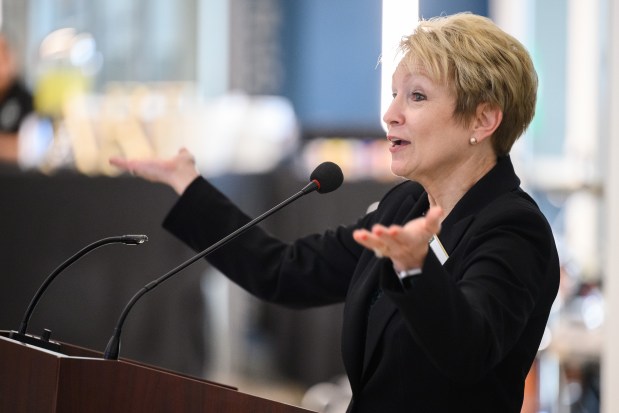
[{"x": 427, "y": 142}]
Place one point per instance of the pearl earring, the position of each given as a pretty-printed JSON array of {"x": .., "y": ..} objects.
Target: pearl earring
[{"x": 473, "y": 141}]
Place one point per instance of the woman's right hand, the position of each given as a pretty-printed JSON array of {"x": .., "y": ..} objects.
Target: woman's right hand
[{"x": 178, "y": 171}]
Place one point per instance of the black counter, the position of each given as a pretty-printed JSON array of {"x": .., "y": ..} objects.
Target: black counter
[{"x": 45, "y": 219}]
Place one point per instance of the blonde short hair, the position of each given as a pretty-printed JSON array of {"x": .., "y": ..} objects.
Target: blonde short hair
[{"x": 482, "y": 64}]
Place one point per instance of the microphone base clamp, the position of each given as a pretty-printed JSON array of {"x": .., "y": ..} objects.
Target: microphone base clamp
[{"x": 42, "y": 342}]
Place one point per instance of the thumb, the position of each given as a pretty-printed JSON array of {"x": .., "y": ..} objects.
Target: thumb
[{"x": 433, "y": 219}]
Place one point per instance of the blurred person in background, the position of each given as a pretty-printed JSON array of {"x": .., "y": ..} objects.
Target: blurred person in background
[
  {"x": 432, "y": 323},
  {"x": 15, "y": 102}
]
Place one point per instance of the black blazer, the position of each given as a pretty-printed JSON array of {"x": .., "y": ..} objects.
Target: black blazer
[{"x": 459, "y": 337}]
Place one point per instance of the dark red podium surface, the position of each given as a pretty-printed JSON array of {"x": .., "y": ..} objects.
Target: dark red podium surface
[{"x": 78, "y": 380}]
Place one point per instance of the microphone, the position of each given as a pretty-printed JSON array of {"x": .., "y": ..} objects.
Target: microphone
[
  {"x": 325, "y": 178},
  {"x": 44, "y": 342}
]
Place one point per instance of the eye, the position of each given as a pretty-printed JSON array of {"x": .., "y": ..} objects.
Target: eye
[
  {"x": 394, "y": 95},
  {"x": 417, "y": 97}
]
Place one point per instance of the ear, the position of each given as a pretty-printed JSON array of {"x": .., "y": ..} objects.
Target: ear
[{"x": 487, "y": 120}]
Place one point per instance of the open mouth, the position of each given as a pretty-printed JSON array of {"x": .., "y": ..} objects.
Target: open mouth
[{"x": 398, "y": 142}]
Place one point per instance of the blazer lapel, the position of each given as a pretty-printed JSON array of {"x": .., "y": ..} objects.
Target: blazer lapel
[
  {"x": 451, "y": 235},
  {"x": 499, "y": 180}
]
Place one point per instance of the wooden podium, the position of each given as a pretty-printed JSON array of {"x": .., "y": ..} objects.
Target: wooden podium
[{"x": 78, "y": 380}]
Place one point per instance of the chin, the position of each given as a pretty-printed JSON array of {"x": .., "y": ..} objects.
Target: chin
[
  {"x": 399, "y": 170},
  {"x": 404, "y": 170}
]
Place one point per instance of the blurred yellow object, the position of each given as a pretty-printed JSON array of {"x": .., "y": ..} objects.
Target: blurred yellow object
[{"x": 55, "y": 87}]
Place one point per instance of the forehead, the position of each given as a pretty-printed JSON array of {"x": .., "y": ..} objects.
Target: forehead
[
  {"x": 405, "y": 72},
  {"x": 413, "y": 70}
]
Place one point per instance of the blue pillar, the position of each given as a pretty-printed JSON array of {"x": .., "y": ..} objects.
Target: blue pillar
[{"x": 433, "y": 8}]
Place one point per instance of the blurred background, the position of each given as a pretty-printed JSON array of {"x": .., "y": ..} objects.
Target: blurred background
[{"x": 262, "y": 91}]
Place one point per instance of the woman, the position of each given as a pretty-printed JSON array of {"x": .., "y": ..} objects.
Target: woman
[{"x": 431, "y": 324}]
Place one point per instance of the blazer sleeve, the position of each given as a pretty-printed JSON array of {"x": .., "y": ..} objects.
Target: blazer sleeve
[
  {"x": 502, "y": 275},
  {"x": 312, "y": 271}
]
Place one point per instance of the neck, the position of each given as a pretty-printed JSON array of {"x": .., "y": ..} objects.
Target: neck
[{"x": 446, "y": 192}]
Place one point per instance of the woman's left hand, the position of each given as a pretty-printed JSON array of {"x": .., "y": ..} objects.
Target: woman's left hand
[{"x": 406, "y": 246}]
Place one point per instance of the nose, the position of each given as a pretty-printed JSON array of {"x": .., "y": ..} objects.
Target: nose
[{"x": 393, "y": 116}]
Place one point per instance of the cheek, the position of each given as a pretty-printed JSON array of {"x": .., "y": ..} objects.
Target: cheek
[{"x": 425, "y": 123}]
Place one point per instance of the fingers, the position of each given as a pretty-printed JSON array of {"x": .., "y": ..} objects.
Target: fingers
[
  {"x": 383, "y": 241},
  {"x": 365, "y": 238},
  {"x": 119, "y": 162},
  {"x": 128, "y": 165},
  {"x": 177, "y": 171},
  {"x": 380, "y": 236},
  {"x": 144, "y": 167},
  {"x": 406, "y": 245},
  {"x": 123, "y": 164}
]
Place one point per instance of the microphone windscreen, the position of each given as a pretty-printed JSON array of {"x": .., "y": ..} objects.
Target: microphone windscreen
[{"x": 329, "y": 177}]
